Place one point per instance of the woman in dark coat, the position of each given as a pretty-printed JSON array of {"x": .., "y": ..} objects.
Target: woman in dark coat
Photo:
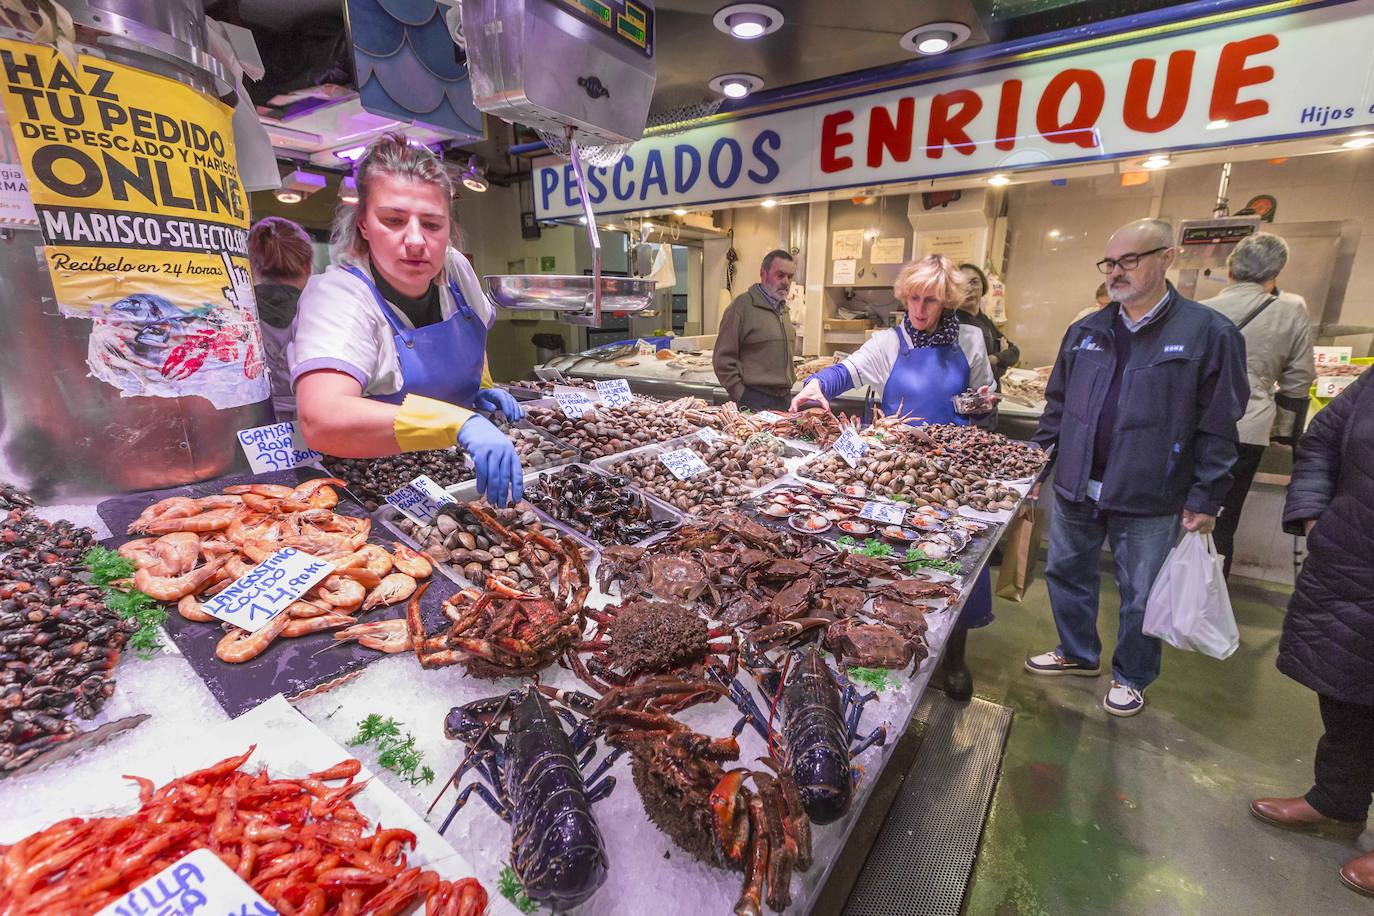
[{"x": 1328, "y": 634}]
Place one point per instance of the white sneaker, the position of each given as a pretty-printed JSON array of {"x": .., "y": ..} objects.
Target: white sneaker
[
  {"x": 1123, "y": 701},
  {"x": 1054, "y": 664}
]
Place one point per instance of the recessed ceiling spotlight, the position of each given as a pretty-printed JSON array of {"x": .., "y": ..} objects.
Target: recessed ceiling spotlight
[
  {"x": 348, "y": 190},
  {"x": 287, "y": 196},
  {"x": 998, "y": 180},
  {"x": 736, "y": 85},
  {"x": 475, "y": 175},
  {"x": 1155, "y": 162},
  {"x": 768, "y": 203},
  {"x": 1358, "y": 143},
  {"x": 935, "y": 37},
  {"x": 747, "y": 20}
]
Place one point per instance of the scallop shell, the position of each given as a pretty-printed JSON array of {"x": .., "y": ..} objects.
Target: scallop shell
[
  {"x": 854, "y": 489},
  {"x": 935, "y": 550},
  {"x": 898, "y": 533},
  {"x": 809, "y": 524},
  {"x": 777, "y": 510},
  {"x": 924, "y": 522},
  {"x": 854, "y": 526},
  {"x": 836, "y": 514}
]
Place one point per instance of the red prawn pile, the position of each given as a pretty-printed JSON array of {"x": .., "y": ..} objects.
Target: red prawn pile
[{"x": 299, "y": 843}]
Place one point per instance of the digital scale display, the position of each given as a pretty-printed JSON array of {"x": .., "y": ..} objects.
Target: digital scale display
[
  {"x": 1215, "y": 235},
  {"x": 629, "y": 22}
]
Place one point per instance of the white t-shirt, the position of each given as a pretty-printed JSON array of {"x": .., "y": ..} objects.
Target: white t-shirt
[
  {"x": 338, "y": 325},
  {"x": 873, "y": 362}
]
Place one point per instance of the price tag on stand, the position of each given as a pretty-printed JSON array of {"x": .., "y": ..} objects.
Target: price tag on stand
[
  {"x": 850, "y": 447},
  {"x": 549, "y": 374},
  {"x": 614, "y": 392},
  {"x": 1328, "y": 386},
  {"x": 421, "y": 500},
  {"x": 574, "y": 404},
  {"x": 883, "y": 512},
  {"x": 197, "y": 882},
  {"x": 277, "y": 447},
  {"x": 644, "y": 348},
  {"x": 767, "y": 416},
  {"x": 707, "y": 434},
  {"x": 683, "y": 463},
  {"x": 1332, "y": 356},
  {"x": 253, "y": 599}
]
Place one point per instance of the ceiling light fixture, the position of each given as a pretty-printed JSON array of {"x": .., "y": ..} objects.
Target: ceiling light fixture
[
  {"x": 998, "y": 181},
  {"x": 679, "y": 212},
  {"x": 1358, "y": 143},
  {"x": 348, "y": 190},
  {"x": 736, "y": 85},
  {"x": 352, "y": 153},
  {"x": 747, "y": 20},
  {"x": 935, "y": 38},
  {"x": 287, "y": 196},
  {"x": 475, "y": 175},
  {"x": 768, "y": 203},
  {"x": 299, "y": 184},
  {"x": 1155, "y": 162}
]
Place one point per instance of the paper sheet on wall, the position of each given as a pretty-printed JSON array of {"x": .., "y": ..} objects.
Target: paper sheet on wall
[
  {"x": 888, "y": 250},
  {"x": 843, "y": 272},
  {"x": 959, "y": 245},
  {"x": 846, "y": 243}
]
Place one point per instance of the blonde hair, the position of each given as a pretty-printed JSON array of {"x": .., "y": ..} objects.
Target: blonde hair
[
  {"x": 389, "y": 154},
  {"x": 933, "y": 271},
  {"x": 279, "y": 249}
]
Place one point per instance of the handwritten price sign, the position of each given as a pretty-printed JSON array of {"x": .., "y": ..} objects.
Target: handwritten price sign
[
  {"x": 707, "y": 434},
  {"x": 574, "y": 404},
  {"x": 549, "y": 374},
  {"x": 421, "y": 500},
  {"x": 275, "y": 448},
  {"x": 1328, "y": 386},
  {"x": 850, "y": 447},
  {"x": 614, "y": 392},
  {"x": 767, "y": 416},
  {"x": 253, "y": 599},
  {"x": 198, "y": 881},
  {"x": 1331, "y": 356},
  {"x": 683, "y": 463},
  {"x": 883, "y": 513}
]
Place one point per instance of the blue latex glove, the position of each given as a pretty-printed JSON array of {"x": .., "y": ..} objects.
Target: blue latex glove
[
  {"x": 499, "y": 476},
  {"x": 492, "y": 399}
]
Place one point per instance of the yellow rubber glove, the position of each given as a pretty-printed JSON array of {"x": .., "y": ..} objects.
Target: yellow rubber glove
[
  {"x": 487, "y": 380},
  {"x": 424, "y": 424}
]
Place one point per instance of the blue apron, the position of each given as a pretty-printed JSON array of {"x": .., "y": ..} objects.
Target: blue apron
[
  {"x": 442, "y": 361},
  {"x": 923, "y": 383}
]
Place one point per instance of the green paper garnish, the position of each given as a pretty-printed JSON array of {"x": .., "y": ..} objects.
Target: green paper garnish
[
  {"x": 397, "y": 752},
  {"x": 511, "y": 888},
  {"x": 872, "y": 678},
  {"x": 106, "y": 566}
]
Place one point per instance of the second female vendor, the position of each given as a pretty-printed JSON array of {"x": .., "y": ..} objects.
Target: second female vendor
[{"x": 389, "y": 346}]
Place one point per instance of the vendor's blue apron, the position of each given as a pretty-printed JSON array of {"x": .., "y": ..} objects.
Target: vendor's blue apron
[
  {"x": 923, "y": 383},
  {"x": 442, "y": 361}
]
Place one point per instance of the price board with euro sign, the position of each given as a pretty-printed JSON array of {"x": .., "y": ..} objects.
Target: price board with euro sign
[
  {"x": 614, "y": 392},
  {"x": 574, "y": 404},
  {"x": 850, "y": 447},
  {"x": 683, "y": 463},
  {"x": 197, "y": 883},
  {"x": 275, "y": 447},
  {"x": 884, "y": 513},
  {"x": 252, "y": 600},
  {"x": 421, "y": 499}
]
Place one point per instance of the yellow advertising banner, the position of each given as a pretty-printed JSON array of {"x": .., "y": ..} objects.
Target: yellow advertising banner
[{"x": 135, "y": 183}]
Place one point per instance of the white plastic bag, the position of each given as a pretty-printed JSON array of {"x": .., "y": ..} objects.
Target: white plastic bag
[{"x": 1189, "y": 607}]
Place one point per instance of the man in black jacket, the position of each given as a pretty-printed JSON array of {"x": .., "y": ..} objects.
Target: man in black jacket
[{"x": 1141, "y": 409}]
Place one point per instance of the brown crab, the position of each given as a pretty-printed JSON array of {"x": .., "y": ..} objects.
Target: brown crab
[{"x": 874, "y": 645}]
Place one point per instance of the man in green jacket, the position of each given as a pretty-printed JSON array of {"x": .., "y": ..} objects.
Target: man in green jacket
[{"x": 753, "y": 352}]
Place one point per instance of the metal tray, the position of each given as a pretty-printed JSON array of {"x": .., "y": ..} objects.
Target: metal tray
[
  {"x": 568, "y": 293},
  {"x": 522, "y": 429},
  {"x": 389, "y": 517},
  {"x": 604, "y": 465},
  {"x": 550, "y": 402},
  {"x": 659, "y": 510}
]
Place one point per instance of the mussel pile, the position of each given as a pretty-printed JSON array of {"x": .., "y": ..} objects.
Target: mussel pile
[
  {"x": 921, "y": 479},
  {"x": 734, "y": 470},
  {"x": 11, "y": 497},
  {"x": 371, "y": 480},
  {"x": 59, "y": 643},
  {"x": 601, "y": 506},
  {"x": 614, "y": 429},
  {"x": 475, "y": 548},
  {"x": 977, "y": 451}
]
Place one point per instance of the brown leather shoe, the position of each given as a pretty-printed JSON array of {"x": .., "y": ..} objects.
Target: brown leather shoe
[
  {"x": 1358, "y": 874},
  {"x": 1297, "y": 814}
]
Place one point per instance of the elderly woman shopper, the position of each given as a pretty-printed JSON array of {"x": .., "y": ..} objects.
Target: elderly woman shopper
[
  {"x": 390, "y": 341},
  {"x": 1278, "y": 361},
  {"x": 1328, "y": 633},
  {"x": 920, "y": 365}
]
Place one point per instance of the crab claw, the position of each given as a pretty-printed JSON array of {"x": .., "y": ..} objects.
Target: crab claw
[{"x": 732, "y": 828}]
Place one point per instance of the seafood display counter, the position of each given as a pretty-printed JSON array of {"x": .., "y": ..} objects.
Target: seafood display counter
[{"x": 698, "y": 683}]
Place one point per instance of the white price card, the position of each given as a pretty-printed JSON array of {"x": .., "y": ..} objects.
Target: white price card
[
  {"x": 1328, "y": 386},
  {"x": 549, "y": 374},
  {"x": 421, "y": 500},
  {"x": 683, "y": 463},
  {"x": 707, "y": 434},
  {"x": 574, "y": 404},
  {"x": 883, "y": 513},
  {"x": 254, "y": 598},
  {"x": 614, "y": 392},
  {"x": 1332, "y": 356},
  {"x": 644, "y": 348},
  {"x": 277, "y": 447},
  {"x": 767, "y": 416},
  {"x": 850, "y": 447},
  {"x": 198, "y": 882}
]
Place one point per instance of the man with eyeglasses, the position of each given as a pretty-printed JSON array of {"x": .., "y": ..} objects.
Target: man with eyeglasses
[{"x": 1141, "y": 412}]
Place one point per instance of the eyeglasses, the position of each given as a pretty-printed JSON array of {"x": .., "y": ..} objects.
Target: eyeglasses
[{"x": 1127, "y": 261}]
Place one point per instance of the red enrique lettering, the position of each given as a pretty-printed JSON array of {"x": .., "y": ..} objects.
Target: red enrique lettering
[
  {"x": 1078, "y": 128},
  {"x": 1178, "y": 77},
  {"x": 833, "y": 139},
  {"x": 884, "y": 134},
  {"x": 1008, "y": 110},
  {"x": 947, "y": 127},
  {"x": 1233, "y": 76}
]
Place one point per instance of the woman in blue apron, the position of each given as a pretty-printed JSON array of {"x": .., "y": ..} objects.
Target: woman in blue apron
[
  {"x": 920, "y": 365},
  {"x": 388, "y": 351}
]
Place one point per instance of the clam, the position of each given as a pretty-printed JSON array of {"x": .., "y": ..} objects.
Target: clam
[
  {"x": 812, "y": 523},
  {"x": 854, "y": 526}
]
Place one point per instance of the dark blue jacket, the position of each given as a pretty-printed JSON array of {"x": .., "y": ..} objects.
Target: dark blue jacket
[
  {"x": 1181, "y": 395},
  {"x": 1328, "y": 633}
]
